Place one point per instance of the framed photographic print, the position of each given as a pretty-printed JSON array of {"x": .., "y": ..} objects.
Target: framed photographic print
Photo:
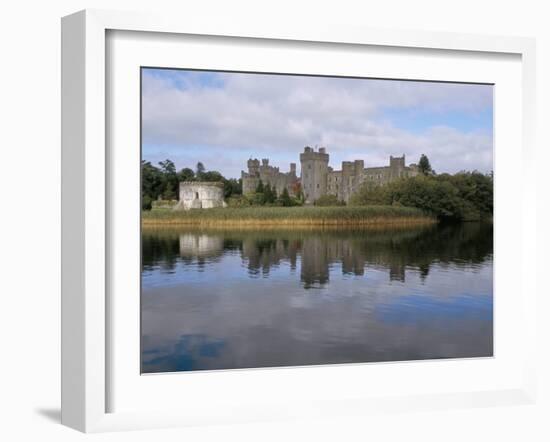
[
  {"x": 246, "y": 264},
  {"x": 276, "y": 223}
]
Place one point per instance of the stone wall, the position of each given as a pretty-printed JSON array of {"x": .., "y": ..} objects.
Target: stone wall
[
  {"x": 268, "y": 175},
  {"x": 318, "y": 179},
  {"x": 200, "y": 195}
]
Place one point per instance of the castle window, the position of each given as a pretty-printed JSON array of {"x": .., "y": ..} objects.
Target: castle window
[
  {"x": 196, "y": 195},
  {"x": 317, "y": 186}
]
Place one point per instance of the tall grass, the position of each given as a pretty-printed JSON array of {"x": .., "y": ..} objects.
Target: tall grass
[{"x": 288, "y": 216}]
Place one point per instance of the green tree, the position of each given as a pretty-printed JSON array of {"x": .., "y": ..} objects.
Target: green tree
[
  {"x": 212, "y": 175},
  {"x": 186, "y": 174},
  {"x": 476, "y": 189},
  {"x": 256, "y": 199},
  {"x": 169, "y": 192},
  {"x": 169, "y": 179},
  {"x": 232, "y": 187},
  {"x": 284, "y": 198},
  {"x": 167, "y": 167},
  {"x": 260, "y": 187},
  {"x": 426, "y": 193},
  {"x": 146, "y": 202},
  {"x": 151, "y": 180},
  {"x": 270, "y": 194},
  {"x": 424, "y": 165},
  {"x": 199, "y": 170}
]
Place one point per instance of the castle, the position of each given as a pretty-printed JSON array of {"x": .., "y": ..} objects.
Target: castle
[{"x": 319, "y": 179}]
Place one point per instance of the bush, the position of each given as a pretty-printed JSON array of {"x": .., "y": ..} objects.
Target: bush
[
  {"x": 163, "y": 204},
  {"x": 329, "y": 200},
  {"x": 463, "y": 196},
  {"x": 238, "y": 201},
  {"x": 146, "y": 202}
]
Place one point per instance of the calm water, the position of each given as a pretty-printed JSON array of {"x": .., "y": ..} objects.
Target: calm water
[{"x": 220, "y": 299}]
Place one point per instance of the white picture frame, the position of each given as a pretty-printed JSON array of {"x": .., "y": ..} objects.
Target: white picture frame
[{"x": 86, "y": 315}]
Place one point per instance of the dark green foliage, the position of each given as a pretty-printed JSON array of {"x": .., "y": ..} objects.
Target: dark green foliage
[
  {"x": 169, "y": 192},
  {"x": 169, "y": 180},
  {"x": 439, "y": 198},
  {"x": 199, "y": 170},
  {"x": 256, "y": 199},
  {"x": 284, "y": 198},
  {"x": 152, "y": 181},
  {"x": 186, "y": 174},
  {"x": 270, "y": 194},
  {"x": 267, "y": 198},
  {"x": 463, "y": 196},
  {"x": 232, "y": 187},
  {"x": 424, "y": 165},
  {"x": 260, "y": 187},
  {"x": 238, "y": 201},
  {"x": 329, "y": 200},
  {"x": 146, "y": 202},
  {"x": 167, "y": 167},
  {"x": 475, "y": 188},
  {"x": 212, "y": 175}
]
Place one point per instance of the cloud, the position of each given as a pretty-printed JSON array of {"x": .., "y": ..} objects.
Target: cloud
[{"x": 225, "y": 117}]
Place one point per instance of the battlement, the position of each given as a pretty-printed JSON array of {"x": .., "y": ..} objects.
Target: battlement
[
  {"x": 397, "y": 161},
  {"x": 268, "y": 175},
  {"x": 201, "y": 183},
  {"x": 347, "y": 166},
  {"x": 310, "y": 154}
]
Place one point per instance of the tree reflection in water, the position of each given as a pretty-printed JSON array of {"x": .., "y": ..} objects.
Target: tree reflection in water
[{"x": 463, "y": 245}]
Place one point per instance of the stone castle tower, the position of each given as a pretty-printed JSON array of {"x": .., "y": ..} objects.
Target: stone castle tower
[{"x": 314, "y": 173}]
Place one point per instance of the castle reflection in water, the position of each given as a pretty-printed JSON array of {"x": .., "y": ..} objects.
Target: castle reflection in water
[{"x": 317, "y": 253}]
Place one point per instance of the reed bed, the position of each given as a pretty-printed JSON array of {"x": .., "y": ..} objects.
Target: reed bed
[{"x": 288, "y": 217}]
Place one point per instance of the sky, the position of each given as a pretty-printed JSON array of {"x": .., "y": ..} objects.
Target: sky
[{"x": 222, "y": 119}]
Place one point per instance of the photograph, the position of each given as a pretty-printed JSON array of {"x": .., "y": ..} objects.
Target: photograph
[{"x": 302, "y": 220}]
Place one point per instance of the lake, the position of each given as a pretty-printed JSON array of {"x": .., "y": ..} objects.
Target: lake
[{"x": 230, "y": 298}]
